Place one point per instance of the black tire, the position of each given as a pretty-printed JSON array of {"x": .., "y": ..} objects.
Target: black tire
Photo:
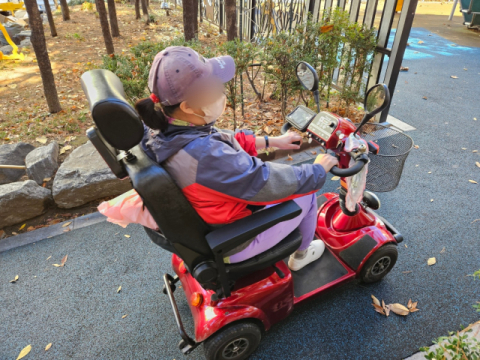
[
  {"x": 235, "y": 342},
  {"x": 379, "y": 264}
]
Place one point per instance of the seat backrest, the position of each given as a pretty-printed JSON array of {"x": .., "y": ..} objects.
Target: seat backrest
[
  {"x": 117, "y": 121},
  {"x": 121, "y": 129}
]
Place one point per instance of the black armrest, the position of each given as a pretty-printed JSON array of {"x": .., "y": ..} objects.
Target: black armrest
[{"x": 230, "y": 236}]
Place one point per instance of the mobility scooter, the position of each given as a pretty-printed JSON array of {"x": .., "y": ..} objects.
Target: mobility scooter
[{"x": 234, "y": 304}]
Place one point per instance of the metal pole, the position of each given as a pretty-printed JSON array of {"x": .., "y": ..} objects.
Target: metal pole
[
  {"x": 453, "y": 10},
  {"x": 398, "y": 49},
  {"x": 17, "y": 167}
]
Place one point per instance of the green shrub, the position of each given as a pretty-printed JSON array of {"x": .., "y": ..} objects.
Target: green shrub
[{"x": 455, "y": 347}]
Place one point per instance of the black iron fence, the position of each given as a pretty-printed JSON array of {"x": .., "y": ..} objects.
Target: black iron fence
[{"x": 261, "y": 18}]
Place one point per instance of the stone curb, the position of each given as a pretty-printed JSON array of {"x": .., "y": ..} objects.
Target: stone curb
[{"x": 50, "y": 231}]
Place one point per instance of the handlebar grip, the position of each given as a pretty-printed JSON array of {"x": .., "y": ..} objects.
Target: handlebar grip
[
  {"x": 285, "y": 128},
  {"x": 296, "y": 142},
  {"x": 356, "y": 168}
]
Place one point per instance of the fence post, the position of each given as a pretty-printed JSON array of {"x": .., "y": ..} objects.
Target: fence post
[{"x": 398, "y": 49}]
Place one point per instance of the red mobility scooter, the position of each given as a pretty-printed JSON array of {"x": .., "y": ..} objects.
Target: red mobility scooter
[{"x": 234, "y": 304}]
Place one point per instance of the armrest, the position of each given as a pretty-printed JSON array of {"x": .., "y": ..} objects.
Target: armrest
[{"x": 230, "y": 236}]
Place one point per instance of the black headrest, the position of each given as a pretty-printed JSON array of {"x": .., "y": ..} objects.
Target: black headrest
[{"x": 116, "y": 120}]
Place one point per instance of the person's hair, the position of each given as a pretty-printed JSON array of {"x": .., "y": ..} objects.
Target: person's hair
[{"x": 153, "y": 115}]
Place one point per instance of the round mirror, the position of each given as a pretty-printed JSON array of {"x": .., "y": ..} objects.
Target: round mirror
[
  {"x": 377, "y": 98},
  {"x": 307, "y": 76}
]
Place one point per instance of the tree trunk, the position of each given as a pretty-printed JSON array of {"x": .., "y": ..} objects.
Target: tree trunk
[
  {"x": 53, "y": 30},
  {"x": 231, "y": 17},
  {"x": 102, "y": 14},
  {"x": 137, "y": 9},
  {"x": 112, "y": 13},
  {"x": 190, "y": 25},
  {"x": 56, "y": 4},
  {"x": 65, "y": 10},
  {"x": 40, "y": 48},
  {"x": 145, "y": 11}
]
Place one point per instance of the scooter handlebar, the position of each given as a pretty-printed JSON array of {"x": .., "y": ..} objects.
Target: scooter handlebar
[{"x": 352, "y": 170}]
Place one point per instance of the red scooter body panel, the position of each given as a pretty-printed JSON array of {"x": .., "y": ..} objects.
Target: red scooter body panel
[
  {"x": 269, "y": 300},
  {"x": 331, "y": 219}
]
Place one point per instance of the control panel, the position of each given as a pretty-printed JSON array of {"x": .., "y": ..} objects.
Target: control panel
[{"x": 323, "y": 126}]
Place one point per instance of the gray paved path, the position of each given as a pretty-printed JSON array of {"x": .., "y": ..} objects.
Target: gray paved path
[{"x": 78, "y": 309}]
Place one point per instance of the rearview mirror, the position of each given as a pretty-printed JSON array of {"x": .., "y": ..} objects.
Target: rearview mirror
[
  {"x": 307, "y": 76},
  {"x": 377, "y": 99}
]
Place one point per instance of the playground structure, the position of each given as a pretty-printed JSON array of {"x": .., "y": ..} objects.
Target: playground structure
[{"x": 9, "y": 6}]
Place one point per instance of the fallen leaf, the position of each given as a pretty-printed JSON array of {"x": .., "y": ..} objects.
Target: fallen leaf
[
  {"x": 335, "y": 178},
  {"x": 429, "y": 172},
  {"x": 127, "y": 236},
  {"x": 406, "y": 272},
  {"x": 431, "y": 200},
  {"x": 24, "y": 352},
  {"x": 477, "y": 163},
  {"x": 379, "y": 309},
  {"x": 431, "y": 261},
  {"x": 424, "y": 98},
  {"x": 289, "y": 158},
  {"x": 473, "y": 181},
  {"x": 387, "y": 310},
  {"x": 48, "y": 257},
  {"x": 464, "y": 148},
  {"x": 443, "y": 250},
  {"x": 475, "y": 119},
  {"x": 119, "y": 289},
  {"x": 66, "y": 224},
  {"x": 313, "y": 152},
  {"x": 384, "y": 307},
  {"x": 2, "y": 234},
  {"x": 268, "y": 129},
  {"x": 420, "y": 42},
  {"x": 414, "y": 304},
  {"x": 41, "y": 139},
  {"x": 64, "y": 260},
  {"x": 57, "y": 265},
  {"x": 399, "y": 309},
  {"x": 48, "y": 347},
  {"x": 409, "y": 304},
  {"x": 375, "y": 300},
  {"x": 413, "y": 310},
  {"x": 416, "y": 146},
  {"x": 22, "y": 227},
  {"x": 403, "y": 68},
  {"x": 14, "y": 280},
  {"x": 124, "y": 316},
  {"x": 454, "y": 77}
]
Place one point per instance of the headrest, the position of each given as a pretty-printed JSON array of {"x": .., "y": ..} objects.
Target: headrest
[{"x": 115, "y": 118}]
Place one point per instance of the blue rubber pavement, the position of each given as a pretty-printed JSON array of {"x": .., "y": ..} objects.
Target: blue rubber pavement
[{"x": 78, "y": 309}]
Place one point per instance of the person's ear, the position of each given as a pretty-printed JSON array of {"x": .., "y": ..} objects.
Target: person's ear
[{"x": 186, "y": 108}]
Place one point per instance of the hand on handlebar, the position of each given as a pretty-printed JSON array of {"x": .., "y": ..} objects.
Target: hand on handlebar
[
  {"x": 289, "y": 140},
  {"x": 327, "y": 161}
]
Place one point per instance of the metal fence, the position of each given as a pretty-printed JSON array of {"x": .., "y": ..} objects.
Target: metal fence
[{"x": 259, "y": 18}]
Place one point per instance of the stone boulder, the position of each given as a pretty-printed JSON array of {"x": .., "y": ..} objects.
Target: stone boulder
[
  {"x": 84, "y": 176},
  {"x": 13, "y": 154},
  {"x": 25, "y": 43},
  {"x": 20, "y": 201},
  {"x": 42, "y": 162},
  {"x": 6, "y": 50}
]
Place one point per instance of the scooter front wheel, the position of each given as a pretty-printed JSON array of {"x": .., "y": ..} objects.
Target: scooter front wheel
[
  {"x": 379, "y": 264},
  {"x": 235, "y": 342}
]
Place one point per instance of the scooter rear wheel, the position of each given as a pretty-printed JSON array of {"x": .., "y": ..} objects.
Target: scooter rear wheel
[
  {"x": 379, "y": 264},
  {"x": 235, "y": 342}
]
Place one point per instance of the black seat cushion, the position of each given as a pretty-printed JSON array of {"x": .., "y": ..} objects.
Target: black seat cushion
[{"x": 284, "y": 248}]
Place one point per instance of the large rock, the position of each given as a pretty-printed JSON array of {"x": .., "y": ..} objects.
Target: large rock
[
  {"x": 6, "y": 50},
  {"x": 42, "y": 162},
  {"x": 21, "y": 201},
  {"x": 25, "y": 43},
  {"x": 13, "y": 154},
  {"x": 84, "y": 176}
]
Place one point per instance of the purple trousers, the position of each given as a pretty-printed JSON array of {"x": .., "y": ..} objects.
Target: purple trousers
[{"x": 306, "y": 223}]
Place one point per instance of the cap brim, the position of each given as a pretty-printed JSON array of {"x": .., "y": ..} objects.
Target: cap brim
[{"x": 223, "y": 67}]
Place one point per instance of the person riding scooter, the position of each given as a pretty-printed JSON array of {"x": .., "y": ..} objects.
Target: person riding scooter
[{"x": 217, "y": 170}]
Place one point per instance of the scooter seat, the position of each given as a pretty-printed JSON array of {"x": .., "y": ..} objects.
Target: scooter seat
[{"x": 268, "y": 258}]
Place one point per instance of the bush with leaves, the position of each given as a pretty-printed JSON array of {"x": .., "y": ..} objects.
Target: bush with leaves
[
  {"x": 457, "y": 346},
  {"x": 243, "y": 53}
]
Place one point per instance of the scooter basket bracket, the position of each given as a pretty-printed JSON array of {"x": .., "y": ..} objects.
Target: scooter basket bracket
[{"x": 187, "y": 344}]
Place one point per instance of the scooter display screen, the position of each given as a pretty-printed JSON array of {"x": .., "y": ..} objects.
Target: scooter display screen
[
  {"x": 301, "y": 117},
  {"x": 323, "y": 125}
]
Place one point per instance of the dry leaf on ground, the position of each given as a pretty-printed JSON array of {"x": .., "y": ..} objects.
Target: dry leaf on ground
[
  {"x": 473, "y": 181},
  {"x": 420, "y": 42},
  {"x": 313, "y": 152},
  {"x": 289, "y": 158},
  {"x": 477, "y": 163},
  {"x": 124, "y": 316},
  {"x": 127, "y": 236},
  {"x": 335, "y": 178},
  {"x": 66, "y": 224},
  {"x": 432, "y": 261},
  {"x": 443, "y": 250},
  {"x": 409, "y": 304},
  {"x": 119, "y": 289},
  {"x": 424, "y": 98},
  {"x": 14, "y": 280},
  {"x": 41, "y": 139},
  {"x": 399, "y": 309},
  {"x": 64, "y": 260},
  {"x": 375, "y": 300},
  {"x": 454, "y": 77},
  {"x": 48, "y": 347},
  {"x": 24, "y": 352},
  {"x": 379, "y": 309}
]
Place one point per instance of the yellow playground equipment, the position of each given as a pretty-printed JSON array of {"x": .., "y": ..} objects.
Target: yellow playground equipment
[{"x": 9, "y": 6}]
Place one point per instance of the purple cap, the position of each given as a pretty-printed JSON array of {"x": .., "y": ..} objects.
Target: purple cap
[{"x": 175, "y": 69}]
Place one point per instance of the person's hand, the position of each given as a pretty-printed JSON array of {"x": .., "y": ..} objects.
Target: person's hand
[
  {"x": 286, "y": 140},
  {"x": 327, "y": 161}
]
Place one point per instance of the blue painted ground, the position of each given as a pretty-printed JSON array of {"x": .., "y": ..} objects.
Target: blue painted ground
[{"x": 78, "y": 309}]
